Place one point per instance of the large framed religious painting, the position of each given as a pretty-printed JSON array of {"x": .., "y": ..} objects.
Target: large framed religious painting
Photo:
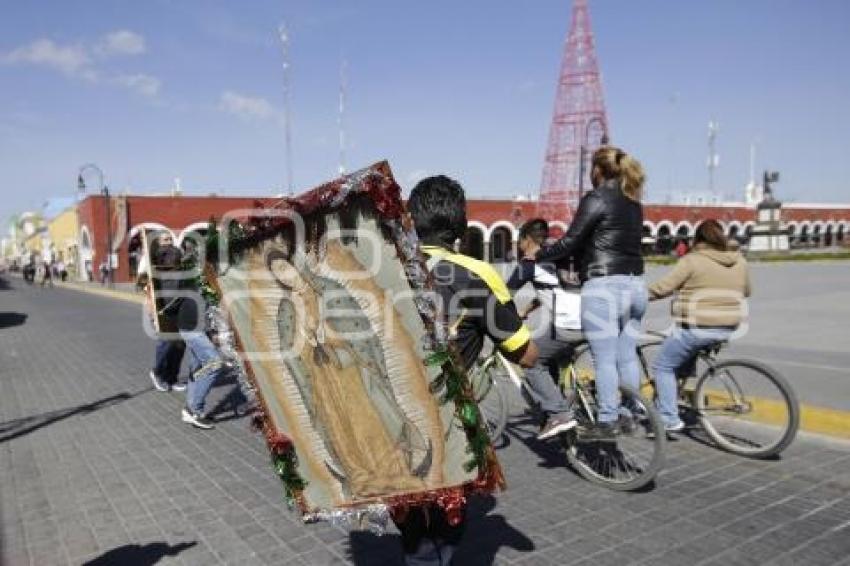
[{"x": 360, "y": 398}]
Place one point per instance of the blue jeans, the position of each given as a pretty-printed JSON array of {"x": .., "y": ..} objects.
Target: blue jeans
[
  {"x": 205, "y": 366},
  {"x": 676, "y": 350},
  {"x": 611, "y": 311},
  {"x": 169, "y": 355}
]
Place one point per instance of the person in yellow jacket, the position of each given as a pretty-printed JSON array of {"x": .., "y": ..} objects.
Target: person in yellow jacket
[{"x": 711, "y": 283}]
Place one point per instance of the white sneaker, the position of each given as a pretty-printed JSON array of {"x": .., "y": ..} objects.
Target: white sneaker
[
  {"x": 177, "y": 386},
  {"x": 555, "y": 426},
  {"x": 196, "y": 420},
  {"x": 158, "y": 383}
]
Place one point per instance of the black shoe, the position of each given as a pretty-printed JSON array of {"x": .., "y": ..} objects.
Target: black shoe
[{"x": 602, "y": 432}]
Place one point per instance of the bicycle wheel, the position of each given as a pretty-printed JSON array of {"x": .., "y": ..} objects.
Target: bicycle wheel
[
  {"x": 747, "y": 408},
  {"x": 636, "y": 455},
  {"x": 488, "y": 390}
]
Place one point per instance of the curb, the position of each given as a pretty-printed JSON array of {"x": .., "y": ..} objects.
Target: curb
[{"x": 137, "y": 298}]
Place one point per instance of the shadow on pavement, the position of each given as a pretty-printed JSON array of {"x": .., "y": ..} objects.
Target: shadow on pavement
[
  {"x": 139, "y": 555},
  {"x": 20, "y": 427},
  {"x": 9, "y": 319},
  {"x": 485, "y": 534},
  {"x": 234, "y": 402},
  {"x": 4, "y": 284}
]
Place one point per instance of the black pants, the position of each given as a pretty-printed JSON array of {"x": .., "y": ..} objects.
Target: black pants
[
  {"x": 169, "y": 356},
  {"x": 427, "y": 537}
]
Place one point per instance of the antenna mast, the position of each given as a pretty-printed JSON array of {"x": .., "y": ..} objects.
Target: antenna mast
[
  {"x": 713, "y": 159},
  {"x": 343, "y": 67},
  {"x": 284, "y": 40}
]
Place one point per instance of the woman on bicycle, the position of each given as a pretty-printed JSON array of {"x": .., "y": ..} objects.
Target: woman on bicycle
[
  {"x": 605, "y": 238},
  {"x": 711, "y": 283}
]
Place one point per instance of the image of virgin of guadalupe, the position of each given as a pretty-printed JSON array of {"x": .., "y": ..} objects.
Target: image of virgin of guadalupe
[{"x": 331, "y": 349}]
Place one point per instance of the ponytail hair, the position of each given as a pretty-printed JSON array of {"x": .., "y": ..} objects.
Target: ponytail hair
[{"x": 614, "y": 163}]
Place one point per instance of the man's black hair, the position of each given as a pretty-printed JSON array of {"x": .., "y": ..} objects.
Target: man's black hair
[
  {"x": 438, "y": 207},
  {"x": 537, "y": 229}
]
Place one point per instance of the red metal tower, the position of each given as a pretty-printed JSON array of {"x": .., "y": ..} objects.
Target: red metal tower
[{"x": 579, "y": 123}]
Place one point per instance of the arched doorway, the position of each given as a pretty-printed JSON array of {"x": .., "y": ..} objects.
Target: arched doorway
[
  {"x": 733, "y": 232},
  {"x": 804, "y": 234},
  {"x": 501, "y": 244},
  {"x": 663, "y": 242},
  {"x": 472, "y": 243},
  {"x": 748, "y": 232},
  {"x": 647, "y": 242},
  {"x": 827, "y": 236},
  {"x": 86, "y": 254},
  {"x": 816, "y": 235},
  {"x": 839, "y": 235}
]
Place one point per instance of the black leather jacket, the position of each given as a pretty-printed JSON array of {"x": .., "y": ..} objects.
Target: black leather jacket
[{"x": 604, "y": 236}]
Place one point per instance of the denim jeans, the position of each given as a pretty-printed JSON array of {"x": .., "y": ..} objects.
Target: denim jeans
[
  {"x": 169, "y": 355},
  {"x": 676, "y": 350},
  {"x": 542, "y": 378},
  {"x": 205, "y": 366},
  {"x": 611, "y": 311}
]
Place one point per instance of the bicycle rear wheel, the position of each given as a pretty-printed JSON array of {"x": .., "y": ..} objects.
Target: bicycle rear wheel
[
  {"x": 488, "y": 386},
  {"x": 747, "y": 408},
  {"x": 635, "y": 456}
]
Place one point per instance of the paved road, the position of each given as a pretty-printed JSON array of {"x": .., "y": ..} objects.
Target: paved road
[
  {"x": 94, "y": 465},
  {"x": 799, "y": 323}
]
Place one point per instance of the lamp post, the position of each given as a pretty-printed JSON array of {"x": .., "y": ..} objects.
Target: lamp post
[
  {"x": 104, "y": 190},
  {"x": 581, "y": 151}
]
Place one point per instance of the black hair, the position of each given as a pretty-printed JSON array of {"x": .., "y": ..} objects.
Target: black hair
[
  {"x": 537, "y": 229},
  {"x": 438, "y": 207}
]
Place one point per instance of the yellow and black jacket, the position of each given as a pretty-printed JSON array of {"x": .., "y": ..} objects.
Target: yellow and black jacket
[{"x": 476, "y": 302}]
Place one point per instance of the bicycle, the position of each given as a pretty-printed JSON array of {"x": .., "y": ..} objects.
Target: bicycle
[
  {"x": 629, "y": 462},
  {"x": 744, "y": 406}
]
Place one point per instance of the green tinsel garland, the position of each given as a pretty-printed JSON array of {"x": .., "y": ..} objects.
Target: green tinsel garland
[
  {"x": 457, "y": 390},
  {"x": 286, "y": 467}
]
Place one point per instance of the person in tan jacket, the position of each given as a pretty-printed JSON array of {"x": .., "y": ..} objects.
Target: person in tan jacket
[{"x": 711, "y": 284}]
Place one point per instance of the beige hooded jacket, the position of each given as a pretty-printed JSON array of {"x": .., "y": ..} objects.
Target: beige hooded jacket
[{"x": 711, "y": 286}]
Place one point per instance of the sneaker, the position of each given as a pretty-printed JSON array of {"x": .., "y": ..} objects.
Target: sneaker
[
  {"x": 678, "y": 426},
  {"x": 158, "y": 384},
  {"x": 602, "y": 432},
  {"x": 177, "y": 386},
  {"x": 196, "y": 420},
  {"x": 555, "y": 426}
]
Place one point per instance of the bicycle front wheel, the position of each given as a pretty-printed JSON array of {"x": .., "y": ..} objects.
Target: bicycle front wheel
[
  {"x": 488, "y": 388},
  {"x": 747, "y": 408},
  {"x": 636, "y": 454}
]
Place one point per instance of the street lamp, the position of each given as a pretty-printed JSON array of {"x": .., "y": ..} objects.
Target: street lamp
[
  {"x": 603, "y": 140},
  {"x": 104, "y": 190}
]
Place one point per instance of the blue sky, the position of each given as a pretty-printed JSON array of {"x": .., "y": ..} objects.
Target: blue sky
[{"x": 161, "y": 89}]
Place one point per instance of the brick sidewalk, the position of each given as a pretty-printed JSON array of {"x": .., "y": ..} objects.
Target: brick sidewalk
[{"x": 94, "y": 464}]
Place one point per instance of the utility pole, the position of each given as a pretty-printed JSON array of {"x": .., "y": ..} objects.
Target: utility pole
[
  {"x": 287, "y": 115},
  {"x": 343, "y": 67},
  {"x": 713, "y": 159}
]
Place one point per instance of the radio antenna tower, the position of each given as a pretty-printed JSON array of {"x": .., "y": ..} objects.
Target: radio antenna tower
[
  {"x": 579, "y": 123},
  {"x": 343, "y": 67},
  {"x": 713, "y": 159},
  {"x": 287, "y": 120}
]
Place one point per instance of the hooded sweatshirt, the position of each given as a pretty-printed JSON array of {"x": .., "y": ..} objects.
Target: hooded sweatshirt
[{"x": 710, "y": 287}]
